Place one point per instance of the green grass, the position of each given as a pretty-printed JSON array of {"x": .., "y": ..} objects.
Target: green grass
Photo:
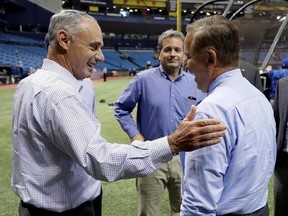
[
  {"x": 119, "y": 198},
  {"x": 8, "y": 201}
]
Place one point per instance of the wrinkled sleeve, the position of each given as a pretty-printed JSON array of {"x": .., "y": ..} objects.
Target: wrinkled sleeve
[
  {"x": 125, "y": 105},
  {"x": 76, "y": 131}
]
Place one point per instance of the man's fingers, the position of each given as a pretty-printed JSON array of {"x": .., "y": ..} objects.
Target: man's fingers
[
  {"x": 191, "y": 113},
  {"x": 209, "y": 142},
  {"x": 192, "y": 135},
  {"x": 210, "y": 136},
  {"x": 209, "y": 125}
]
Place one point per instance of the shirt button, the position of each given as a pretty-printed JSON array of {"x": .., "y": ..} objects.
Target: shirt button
[
  {"x": 172, "y": 120},
  {"x": 172, "y": 108}
]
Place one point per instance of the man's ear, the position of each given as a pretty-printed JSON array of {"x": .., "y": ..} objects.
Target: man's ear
[
  {"x": 157, "y": 55},
  {"x": 211, "y": 57},
  {"x": 63, "y": 38}
]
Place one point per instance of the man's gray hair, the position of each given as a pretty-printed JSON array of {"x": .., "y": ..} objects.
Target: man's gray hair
[
  {"x": 169, "y": 34},
  {"x": 67, "y": 20}
]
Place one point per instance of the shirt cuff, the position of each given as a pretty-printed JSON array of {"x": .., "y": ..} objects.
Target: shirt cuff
[{"x": 160, "y": 151}]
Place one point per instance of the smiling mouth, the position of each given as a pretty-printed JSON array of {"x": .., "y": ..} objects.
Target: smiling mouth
[
  {"x": 91, "y": 65},
  {"x": 173, "y": 61}
]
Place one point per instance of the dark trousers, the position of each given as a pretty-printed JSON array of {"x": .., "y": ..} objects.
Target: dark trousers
[
  {"x": 89, "y": 208},
  {"x": 260, "y": 212},
  {"x": 281, "y": 184}
]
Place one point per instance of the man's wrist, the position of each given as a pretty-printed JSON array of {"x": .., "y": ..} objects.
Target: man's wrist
[{"x": 172, "y": 144}]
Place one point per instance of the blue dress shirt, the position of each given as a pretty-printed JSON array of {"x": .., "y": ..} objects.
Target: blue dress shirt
[
  {"x": 57, "y": 146},
  {"x": 162, "y": 102},
  {"x": 233, "y": 176}
]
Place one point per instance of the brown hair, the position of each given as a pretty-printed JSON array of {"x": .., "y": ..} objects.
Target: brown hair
[{"x": 219, "y": 34}]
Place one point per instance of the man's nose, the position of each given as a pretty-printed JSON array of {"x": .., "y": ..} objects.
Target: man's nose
[{"x": 100, "y": 56}]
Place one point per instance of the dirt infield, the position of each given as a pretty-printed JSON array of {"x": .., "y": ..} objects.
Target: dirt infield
[
  {"x": 7, "y": 86},
  {"x": 13, "y": 86}
]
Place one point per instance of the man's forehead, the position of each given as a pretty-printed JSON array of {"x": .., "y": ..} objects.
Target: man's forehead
[
  {"x": 91, "y": 29},
  {"x": 167, "y": 43},
  {"x": 89, "y": 24},
  {"x": 168, "y": 39}
]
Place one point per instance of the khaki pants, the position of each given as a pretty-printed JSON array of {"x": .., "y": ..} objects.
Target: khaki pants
[{"x": 151, "y": 189}]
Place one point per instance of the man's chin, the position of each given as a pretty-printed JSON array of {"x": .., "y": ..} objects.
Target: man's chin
[
  {"x": 174, "y": 64},
  {"x": 89, "y": 72},
  {"x": 84, "y": 76}
]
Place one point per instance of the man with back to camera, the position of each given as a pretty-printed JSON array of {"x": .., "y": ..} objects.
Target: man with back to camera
[
  {"x": 58, "y": 151},
  {"x": 164, "y": 95},
  {"x": 230, "y": 178},
  {"x": 251, "y": 73},
  {"x": 280, "y": 108}
]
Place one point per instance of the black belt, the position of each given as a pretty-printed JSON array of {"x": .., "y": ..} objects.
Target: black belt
[
  {"x": 264, "y": 211},
  {"x": 88, "y": 208}
]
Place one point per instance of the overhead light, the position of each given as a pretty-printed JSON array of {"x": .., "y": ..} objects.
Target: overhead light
[
  {"x": 124, "y": 13},
  {"x": 281, "y": 18}
]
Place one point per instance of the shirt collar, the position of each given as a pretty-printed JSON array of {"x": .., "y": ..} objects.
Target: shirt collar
[
  {"x": 165, "y": 75},
  {"x": 66, "y": 75},
  {"x": 232, "y": 73}
]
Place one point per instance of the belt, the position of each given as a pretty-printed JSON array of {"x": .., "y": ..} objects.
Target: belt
[{"x": 264, "y": 211}]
